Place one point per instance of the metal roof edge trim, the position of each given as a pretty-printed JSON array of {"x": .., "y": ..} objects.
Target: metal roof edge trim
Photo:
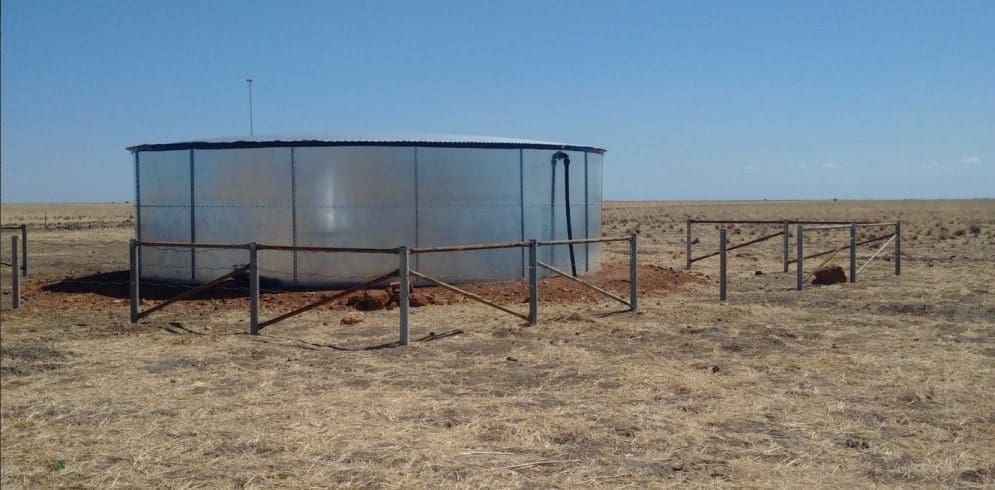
[{"x": 206, "y": 145}]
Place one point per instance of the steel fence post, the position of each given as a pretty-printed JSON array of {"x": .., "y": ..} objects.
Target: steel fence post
[
  {"x": 787, "y": 244},
  {"x": 853, "y": 252},
  {"x": 633, "y": 272},
  {"x": 687, "y": 245},
  {"x": 800, "y": 259},
  {"x": 723, "y": 257},
  {"x": 253, "y": 289},
  {"x": 533, "y": 282},
  {"x": 898, "y": 247},
  {"x": 133, "y": 279},
  {"x": 15, "y": 276},
  {"x": 403, "y": 271},
  {"x": 24, "y": 250}
]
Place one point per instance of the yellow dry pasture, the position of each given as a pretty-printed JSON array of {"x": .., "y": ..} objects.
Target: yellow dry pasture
[
  {"x": 887, "y": 381},
  {"x": 63, "y": 215}
]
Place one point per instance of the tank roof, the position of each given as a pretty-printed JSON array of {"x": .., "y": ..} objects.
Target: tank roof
[{"x": 385, "y": 139}]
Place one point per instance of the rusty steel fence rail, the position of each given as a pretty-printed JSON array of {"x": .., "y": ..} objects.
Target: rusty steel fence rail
[
  {"x": 24, "y": 245},
  {"x": 404, "y": 272},
  {"x": 751, "y": 242},
  {"x": 800, "y": 229},
  {"x": 894, "y": 237},
  {"x": 15, "y": 278},
  {"x": 533, "y": 273},
  {"x": 785, "y": 232}
]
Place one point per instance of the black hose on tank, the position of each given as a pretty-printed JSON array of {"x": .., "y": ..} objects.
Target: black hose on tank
[{"x": 566, "y": 197}]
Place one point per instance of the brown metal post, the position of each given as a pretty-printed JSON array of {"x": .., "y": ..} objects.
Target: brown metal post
[
  {"x": 898, "y": 248},
  {"x": 16, "y": 279},
  {"x": 24, "y": 250},
  {"x": 853, "y": 252},
  {"x": 722, "y": 264},
  {"x": 133, "y": 279},
  {"x": 404, "y": 273},
  {"x": 687, "y": 245},
  {"x": 253, "y": 289},
  {"x": 800, "y": 261},
  {"x": 633, "y": 273},
  {"x": 533, "y": 282},
  {"x": 787, "y": 244}
]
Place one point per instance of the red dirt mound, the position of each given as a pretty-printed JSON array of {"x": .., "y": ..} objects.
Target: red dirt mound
[
  {"x": 613, "y": 277},
  {"x": 369, "y": 300},
  {"x": 830, "y": 274}
]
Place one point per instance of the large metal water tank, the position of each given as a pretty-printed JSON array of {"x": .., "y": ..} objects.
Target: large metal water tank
[{"x": 369, "y": 191}]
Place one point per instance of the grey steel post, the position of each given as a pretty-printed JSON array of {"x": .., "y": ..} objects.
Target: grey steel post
[
  {"x": 253, "y": 289},
  {"x": 403, "y": 271},
  {"x": 633, "y": 273},
  {"x": 24, "y": 250},
  {"x": 898, "y": 248},
  {"x": 16, "y": 279},
  {"x": 800, "y": 264},
  {"x": 787, "y": 244},
  {"x": 853, "y": 252},
  {"x": 533, "y": 282},
  {"x": 722, "y": 264},
  {"x": 687, "y": 246},
  {"x": 133, "y": 278}
]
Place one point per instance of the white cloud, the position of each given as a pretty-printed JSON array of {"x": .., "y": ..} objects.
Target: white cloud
[
  {"x": 971, "y": 160},
  {"x": 831, "y": 165}
]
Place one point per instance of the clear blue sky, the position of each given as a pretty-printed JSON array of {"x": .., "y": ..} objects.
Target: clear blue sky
[{"x": 693, "y": 100}]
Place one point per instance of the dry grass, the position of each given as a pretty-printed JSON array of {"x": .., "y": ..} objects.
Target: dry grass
[
  {"x": 72, "y": 216},
  {"x": 887, "y": 381}
]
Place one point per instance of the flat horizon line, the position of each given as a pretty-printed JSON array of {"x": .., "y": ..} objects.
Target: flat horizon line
[{"x": 629, "y": 200}]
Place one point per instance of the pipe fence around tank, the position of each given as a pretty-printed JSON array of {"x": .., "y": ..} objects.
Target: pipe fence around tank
[
  {"x": 18, "y": 261},
  {"x": 801, "y": 226},
  {"x": 404, "y": 272}
]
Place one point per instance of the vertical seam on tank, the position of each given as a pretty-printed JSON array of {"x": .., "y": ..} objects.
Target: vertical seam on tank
[
  {"x": 138, "y": 213},
  {"x": 552, "y": 215},
  {"x": 193, "y": 223},
  {"x": 587, "y": 219},
  {"x": 521, "y": 200},
  {"x": 417, "y": 212},
  {"x": 293, "y": 209}
]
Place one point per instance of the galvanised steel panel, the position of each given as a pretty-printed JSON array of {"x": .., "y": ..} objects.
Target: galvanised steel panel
[
  {"x": 352, "y": 177},
  {"x": 538, "y": 192},
  {"x": 595, "y": 165},
  {"x": 164, "y": 190},
  {"x": 369, "y": 196},
  {"x": 352, "y": 197},
  {"x": 164, "y": 178},
  {"x": 253, "y": 177},
  {"x": 467, "y": 196},
  {"x": 242, "y": 196},
  {"x": 230, "y": 225},
  {"x": 166, "y": 224},
  {"x": 545, "y": 220}
]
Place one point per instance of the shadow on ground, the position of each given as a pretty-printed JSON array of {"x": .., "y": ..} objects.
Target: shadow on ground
[{"x": 115, "y": 285}]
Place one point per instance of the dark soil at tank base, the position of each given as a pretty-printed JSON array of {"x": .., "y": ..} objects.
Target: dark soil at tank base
[{"x": 112, "y": 288}]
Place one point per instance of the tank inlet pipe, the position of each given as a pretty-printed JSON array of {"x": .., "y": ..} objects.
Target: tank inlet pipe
[{"x": 566, "y": 197}]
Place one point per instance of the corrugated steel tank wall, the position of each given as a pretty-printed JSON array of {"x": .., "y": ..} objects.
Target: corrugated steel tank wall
[{"x": 363, "y": 196}]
